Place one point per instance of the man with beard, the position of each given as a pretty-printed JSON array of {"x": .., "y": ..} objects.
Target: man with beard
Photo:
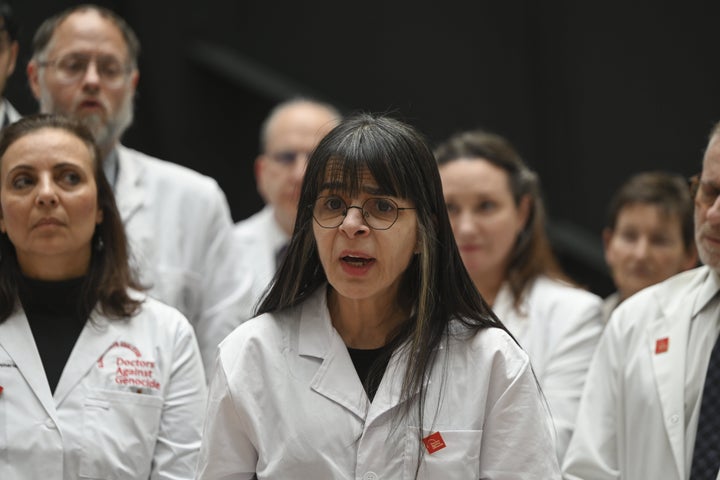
[
  {"x": 178, "y": 222},
  {"x": 651, "y": 404},
  {"x": 8, "y": 57}
]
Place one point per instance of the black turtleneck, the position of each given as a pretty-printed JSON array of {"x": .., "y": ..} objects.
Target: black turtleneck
[{"x": 53, "y": 311}]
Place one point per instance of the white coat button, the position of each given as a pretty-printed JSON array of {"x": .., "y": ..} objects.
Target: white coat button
[
  {"x": 370, "y": 476},
  {"x": 674, "y": 419},
  {"x": 50, "y": 424}
]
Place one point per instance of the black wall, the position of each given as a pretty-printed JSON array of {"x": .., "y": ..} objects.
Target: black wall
[{"x": 588, "y": 91}]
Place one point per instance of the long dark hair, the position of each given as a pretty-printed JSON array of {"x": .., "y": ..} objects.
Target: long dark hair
[
  {"x": 436, "y": 288},
  {"x": 109, "y": 274},
  {"x": 531, "y": 255}
]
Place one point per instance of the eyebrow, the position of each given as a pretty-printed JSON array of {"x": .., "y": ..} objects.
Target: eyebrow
[{"x": 59, "y": 166}]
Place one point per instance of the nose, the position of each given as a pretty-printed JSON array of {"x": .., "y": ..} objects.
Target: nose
[
  {"x": 46, "y": 194},
  {"x": 465, "y": 223},
  {"x": 354, "y": 223},
  {"x": 91, "y": 79},
  {"x": 641, "y": 247}
]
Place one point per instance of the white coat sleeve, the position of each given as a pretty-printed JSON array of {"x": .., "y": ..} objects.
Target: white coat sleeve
[
  {"x": 592, "y": 452},
  {"x": 227, "y": 451},
  {"x": 227, "y": 299},
  {"x": 517, "y": 442},
  {"x": 179, "y": 434},
  {"x": 567, "y": 365}
]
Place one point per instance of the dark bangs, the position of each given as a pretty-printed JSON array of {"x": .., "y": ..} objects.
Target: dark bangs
[{"x": 348, "y": 152}]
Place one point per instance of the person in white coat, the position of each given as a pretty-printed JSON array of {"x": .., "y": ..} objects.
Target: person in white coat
[
  {"x": 373, "y": 356},
  {"x": 648, "y": 235},
  {"x": 177, "y": 221},
  {"x": 9, "y": 48},
  {"x": 498, "y": 219},
  {"x": 96, "y": 379},
  {"x": 640, "y": 412},
  {"x": 288, "y": 136}
]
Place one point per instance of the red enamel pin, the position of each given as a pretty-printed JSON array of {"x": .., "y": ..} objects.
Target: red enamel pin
[
  {"x": 662, "y": 345},
  {"x": 434, "y": 442}
]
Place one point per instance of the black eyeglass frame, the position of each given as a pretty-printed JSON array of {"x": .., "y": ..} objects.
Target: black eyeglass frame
[{"x": 364, "y": 214}]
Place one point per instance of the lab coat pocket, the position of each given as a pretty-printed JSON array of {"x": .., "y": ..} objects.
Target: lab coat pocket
[
  {"x": 446, "y": 454},
  {"x": 119, "y": 434}
]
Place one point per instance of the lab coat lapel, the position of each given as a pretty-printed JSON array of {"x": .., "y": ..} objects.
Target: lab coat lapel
[
  {"x": 667, "y": 341},
  {"x": 18, "y": 341},
  {"x": 129, "y": 190},
  {"x": 95, "y": 339},
  {"x": 336, "y": 378},
  {"x": 389, "y": 393}
]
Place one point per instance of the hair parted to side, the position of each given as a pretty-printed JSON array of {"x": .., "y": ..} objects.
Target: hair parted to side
[
  {"x": 109, "y": 275},
  {"x": 46, "y": 30},
  {"x": 436, "y": 288},
  {"x": 667, "y": 191},
  {"x": 531, "y": 255}
]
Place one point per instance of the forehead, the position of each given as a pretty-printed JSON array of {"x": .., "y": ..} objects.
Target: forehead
[
  {"x": 648, "y": 216},
  {"x": 88, "y": 32},
  {"x": 47, "y": 147},
  {"x": 304, "y": 121},
  {"x": 474, "y": 175}
]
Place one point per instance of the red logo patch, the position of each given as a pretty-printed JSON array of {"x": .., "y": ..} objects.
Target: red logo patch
[
  {"x": 434, "y": 442},
  {"x": 662, "y": 345}
]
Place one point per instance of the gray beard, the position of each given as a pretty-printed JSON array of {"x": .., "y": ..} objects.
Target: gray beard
[{"x": 106, "y": 134}]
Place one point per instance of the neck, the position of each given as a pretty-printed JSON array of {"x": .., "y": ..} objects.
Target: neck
[
  {"x": 52, "y": 268},
  {"x": 488, "y": 286},
  {"x": 365, "y": 324}
]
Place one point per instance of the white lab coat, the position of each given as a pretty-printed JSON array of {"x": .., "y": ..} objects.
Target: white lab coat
[
  {"x": 630, "y": 423},
  {"x": 258, "y": 239},
  {"x": 96, "y": 425},
  {"x": 287, "y": 403},
  {"x": 180, "y": 232},
  {"x": 559, "y": 327}
]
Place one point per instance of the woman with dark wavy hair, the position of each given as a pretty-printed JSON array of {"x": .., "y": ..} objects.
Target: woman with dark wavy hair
[
  {"x": 96, "y": 379},
  {"x": 373, "y": 355},
  {"x": 497, "y": 215}
]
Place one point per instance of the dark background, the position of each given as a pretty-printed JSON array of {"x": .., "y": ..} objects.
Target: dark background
[{"x": 589, "y": 92}]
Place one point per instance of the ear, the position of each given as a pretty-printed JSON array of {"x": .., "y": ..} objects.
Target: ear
[
  {"x": 13, "y": 58},
  {"x": 607, "y": 234},
  {"x": 33, "y": 74},
  {"x": 134, "y": 78},
  {"x": 524, "y": 211},
  {"x": 259, "y": 169}
]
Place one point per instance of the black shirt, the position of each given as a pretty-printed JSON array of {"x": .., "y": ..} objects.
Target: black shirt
[
  {"x": 53, "y": 311},
  {"x": 363, "y": 361}
]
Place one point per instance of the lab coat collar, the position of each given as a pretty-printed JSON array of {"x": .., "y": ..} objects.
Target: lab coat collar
[
  {"x": 336, "y": 378},
  {"x": 96, "y": 337},
  {"x": 129, "y": 188},
  {"x": 17, "y": 340},
  {"x": 667, "y": 340}
]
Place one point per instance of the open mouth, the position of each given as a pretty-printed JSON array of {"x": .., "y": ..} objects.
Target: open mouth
[{"x": 357, "y": 261}]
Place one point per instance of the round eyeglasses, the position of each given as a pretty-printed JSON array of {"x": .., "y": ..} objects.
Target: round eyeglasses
[
  {"x": 379, "y": 213},
  {"x": 72, "y": 67}
]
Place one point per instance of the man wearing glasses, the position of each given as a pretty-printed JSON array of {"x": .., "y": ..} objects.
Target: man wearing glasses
[
  {"x": 288, "y": 135},
  {"x": 651, "y": 404},
  {"x": 178, "y": 222},
  {"x": 8, "y": 57}
]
